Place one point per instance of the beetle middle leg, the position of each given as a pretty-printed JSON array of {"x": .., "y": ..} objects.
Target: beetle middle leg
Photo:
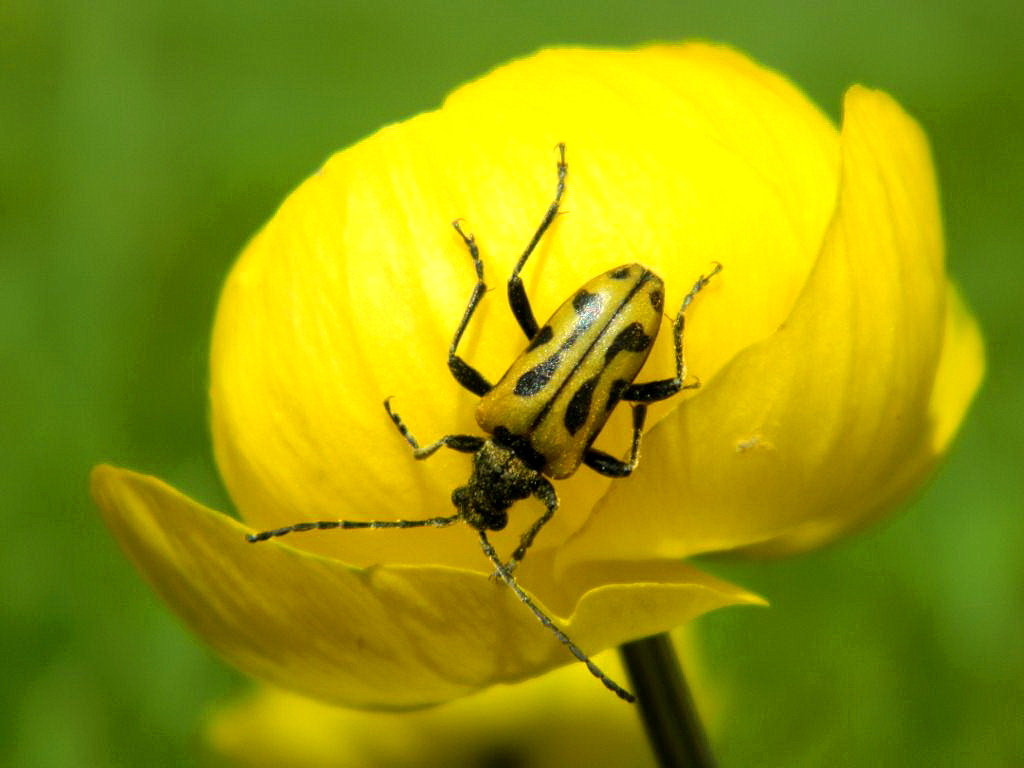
[
  {"x": 468, "y": 376},
  {"x": 609, "y": 466}
]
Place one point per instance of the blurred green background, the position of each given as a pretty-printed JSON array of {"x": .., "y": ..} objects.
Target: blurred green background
[{"x": 142, "y": 144}]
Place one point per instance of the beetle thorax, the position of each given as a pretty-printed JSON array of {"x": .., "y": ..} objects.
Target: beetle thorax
[{"x": 500, "y": 478}]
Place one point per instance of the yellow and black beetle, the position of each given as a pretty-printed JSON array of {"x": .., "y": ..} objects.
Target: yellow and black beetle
[{"x": 545, "y": 412}]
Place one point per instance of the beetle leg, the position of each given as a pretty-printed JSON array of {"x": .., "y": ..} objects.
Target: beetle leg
[
  {"x": 517, "y": 298},
  {"x": 461, "y": 443},
  {"x": 652, "y": 391},
  {"x": 468, "y": 376},
  {"x": 603, "y": 464},
  {"x": 546, "y": 493}
]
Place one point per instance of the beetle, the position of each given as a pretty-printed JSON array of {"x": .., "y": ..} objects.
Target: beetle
[{"x": 543, "y": 415}]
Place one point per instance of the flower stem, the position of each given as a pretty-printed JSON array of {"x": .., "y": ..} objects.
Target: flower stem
[{"x": 670, "y": 718}]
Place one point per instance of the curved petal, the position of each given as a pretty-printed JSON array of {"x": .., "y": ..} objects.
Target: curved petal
[
  {"x": 814, "y": 430},
  {"x": 961, "y": 370},
  {"x": 556, "y": 720},
  {"x": 382, "y": 637},
  {"x": 352, "y": 292}
]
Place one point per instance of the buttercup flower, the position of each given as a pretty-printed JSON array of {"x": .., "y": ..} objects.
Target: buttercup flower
[
  {"x": 836, "y": 363},
  {"x": 556, "y": 720}
]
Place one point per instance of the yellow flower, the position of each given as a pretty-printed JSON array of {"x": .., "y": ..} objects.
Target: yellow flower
[
  {"x": 556, "y": 720},
  {"x": 836, "y": 359}
]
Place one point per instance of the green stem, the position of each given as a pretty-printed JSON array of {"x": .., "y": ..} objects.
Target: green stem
[{"x": 670, "y": 718}]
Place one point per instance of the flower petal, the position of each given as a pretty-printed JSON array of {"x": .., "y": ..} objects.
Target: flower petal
[
  {"x": 352, "y": 292},
  {"x": 556, "y": 720},
  {"x": 382, "y": 637},
  {"x": 960, "y": 372},
  {"x": 844, "y": 409}
]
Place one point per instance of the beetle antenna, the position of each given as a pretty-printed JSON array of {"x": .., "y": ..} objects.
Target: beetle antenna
[
  {"x": 323, "y": 525},
  {"x": 506, "y": 576}
]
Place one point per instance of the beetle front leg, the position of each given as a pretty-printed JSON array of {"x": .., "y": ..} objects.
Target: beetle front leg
[
  {"x": 461, "y": 443},
  {"x": 546, "y": 493}
]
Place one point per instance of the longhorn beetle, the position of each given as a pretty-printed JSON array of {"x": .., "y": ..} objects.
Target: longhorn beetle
[{"x": 545, "y": 412}]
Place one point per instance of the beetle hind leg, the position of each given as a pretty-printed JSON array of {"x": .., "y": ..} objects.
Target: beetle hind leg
[
  {"x": 662, "y": 389},
  {"x": 517, "y": 298}
]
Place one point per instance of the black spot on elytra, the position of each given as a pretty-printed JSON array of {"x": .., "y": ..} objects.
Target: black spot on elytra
[
  {"x": 535, "y": 379},
  {"x": 620, "y": 274},
  {"x": 582, "y": 300},
  {"x": 587, "y": 305},
  {"x": 630, "y": 339},
  {"x": 543, "y": 337},
  {"x": 657, "y": 300},
  {"x": 579, "y": 405},
  {"x": 615, "y": 393}
]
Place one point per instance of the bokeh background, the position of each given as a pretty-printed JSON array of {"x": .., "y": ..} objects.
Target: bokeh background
[{"x": 141, "y": 144}]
